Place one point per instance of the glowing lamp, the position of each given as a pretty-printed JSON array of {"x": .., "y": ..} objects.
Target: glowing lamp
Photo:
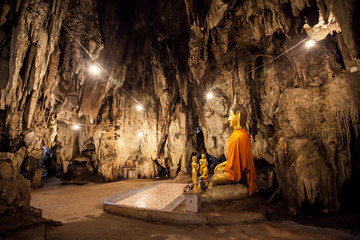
[
  {"x": 310, "y": 43},
  {"x": 94, "y": 69},
  {"x": 75, "y": 127},
  {"x": 139, "y": 108},
  {"x": 140, "y": 134},
  {"x": 209, "y": 95}
]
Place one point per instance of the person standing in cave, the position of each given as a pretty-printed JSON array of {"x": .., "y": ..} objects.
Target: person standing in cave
[{"x": 240, "y": 163}]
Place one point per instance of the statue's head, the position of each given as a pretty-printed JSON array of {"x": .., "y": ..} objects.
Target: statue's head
[
  {"x": 194, "y": 158},
  {"x": 237, "y": 116},
  {"x": 202, "y": 156}
]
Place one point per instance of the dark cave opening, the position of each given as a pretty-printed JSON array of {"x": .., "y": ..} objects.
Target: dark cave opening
[
  {"x": 311, "y": 13},
  {"x": 350, "y": 197},
  {"x": 339, "y": 55},
  {"x": 266, "y": 180},
  {"x": 200, "y": 143},
  {"x": 164, "y": 171},
  {"x": 37, "y": 170},
  {"x": 4, "y": 139},
  {"x": 48, "y": 165},
  {"x": 355, "y": 24}
]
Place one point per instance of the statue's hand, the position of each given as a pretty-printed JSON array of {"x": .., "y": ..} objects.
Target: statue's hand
[{"x": 223, "y": 164}]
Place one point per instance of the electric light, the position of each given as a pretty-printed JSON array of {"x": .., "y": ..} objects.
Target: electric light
[
  {"x": 139, "y": 108},
  {"x": 75, "y": 127},
  {"x": 310, "y": 43},
  {"x": 140, "y": 134},
  {"x": 94, "y": 69},
  {"x": 209, "y": 95}
]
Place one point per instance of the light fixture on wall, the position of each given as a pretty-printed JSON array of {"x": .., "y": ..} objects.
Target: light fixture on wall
[
  {"x": 94, "y": 69},
  {"x": 209, "y": 95},
  {"x": 310, "y": 43},
  {"x": 97, "y": 68},
  {"x": 139, "y": 108},
  {"x": 75, "y": 127},
  {"x": 140, "y": 134}
]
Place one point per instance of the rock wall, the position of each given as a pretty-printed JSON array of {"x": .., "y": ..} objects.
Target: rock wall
[
  {"x": 167, "y": 55},
  {"x": 303, "y": 107}
]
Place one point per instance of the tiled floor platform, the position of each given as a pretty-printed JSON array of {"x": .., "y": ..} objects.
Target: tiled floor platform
[{"x": 160, "y": 197}]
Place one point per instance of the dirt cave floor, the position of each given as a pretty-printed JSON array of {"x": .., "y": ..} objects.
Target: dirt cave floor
[{"x": 80, "y": 209}]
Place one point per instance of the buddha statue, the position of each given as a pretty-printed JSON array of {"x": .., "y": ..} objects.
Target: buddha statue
[
  {"x": 201, "y": 162},
  {"x": 204, "y": 171},
  {"x": 240, "y": 162},
  {"x": 195, "y": 169}
]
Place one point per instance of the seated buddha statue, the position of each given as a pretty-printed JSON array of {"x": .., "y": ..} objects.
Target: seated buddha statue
[{"x": 240, "y": 162}]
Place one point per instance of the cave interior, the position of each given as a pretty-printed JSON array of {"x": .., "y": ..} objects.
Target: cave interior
[{"x": 89, "y": 88}]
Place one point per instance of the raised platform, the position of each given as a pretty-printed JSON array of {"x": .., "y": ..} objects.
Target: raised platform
[
  {"x": 163, "y": 203},
  {"x": 228, "y": 192},
  {"x": 159, "y": 196}
]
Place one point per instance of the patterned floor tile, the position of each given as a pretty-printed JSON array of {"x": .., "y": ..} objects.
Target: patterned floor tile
[{"x": 162, "y": 197}]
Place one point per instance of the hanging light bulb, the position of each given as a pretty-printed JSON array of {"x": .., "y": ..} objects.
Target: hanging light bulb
[
  {"x": 94, "y": 69},
  {"x": 140, "y": 134},
  {"x": 310, "y": 43},
  {"x": 209, "y": 95},
  {"x": 75, "y": 127},
  {"x": 139, "y": 108}
]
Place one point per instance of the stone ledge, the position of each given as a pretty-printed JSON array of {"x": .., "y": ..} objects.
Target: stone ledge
[
  {"x": 226, "y": 193},
  {"x": 185, "y": 218}
]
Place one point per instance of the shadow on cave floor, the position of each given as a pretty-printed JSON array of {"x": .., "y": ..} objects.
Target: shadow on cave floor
[
  {"x": 108, "y": 226},
  {"x": 349, "y": 221}
]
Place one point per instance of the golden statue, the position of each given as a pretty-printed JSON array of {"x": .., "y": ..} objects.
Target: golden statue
[
  {"x": 240, "y": 162},
  {"x": 195, "y": 169},
  {"x": 201, "y": 161},
  {"x": 204, "y": 171}
]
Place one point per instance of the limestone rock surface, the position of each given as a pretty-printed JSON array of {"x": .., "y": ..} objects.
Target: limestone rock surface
[{"x": 166, "y": 56}]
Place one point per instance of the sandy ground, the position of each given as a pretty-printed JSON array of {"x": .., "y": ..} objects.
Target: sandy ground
[{"x": 79, "y": 208}]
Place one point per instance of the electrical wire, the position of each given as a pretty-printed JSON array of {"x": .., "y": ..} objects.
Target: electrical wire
[
  {"x": 111, "y": 78},
  {"x": 129, "y": 128},
  {"x": 269, "y": 61},
  {"x": 211, "y": 88},
  {"x": 89, "y": 54}
]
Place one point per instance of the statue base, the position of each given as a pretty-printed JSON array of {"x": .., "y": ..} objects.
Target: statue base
[
  {"x": 226, "y": 192},
  {"x": 192, "y": 201}
]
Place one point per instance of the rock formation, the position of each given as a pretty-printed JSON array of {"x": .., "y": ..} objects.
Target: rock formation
[{"x": 167, "y": 55}]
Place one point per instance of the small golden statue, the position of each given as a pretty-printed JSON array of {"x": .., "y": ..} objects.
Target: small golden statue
[
  {"x": 195, "y": 169},
  {"x": 204, "y": 170},
  {"x": 201, "y": 161}
]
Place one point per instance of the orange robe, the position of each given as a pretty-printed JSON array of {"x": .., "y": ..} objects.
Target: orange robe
[{"x": 240, "y": 160}]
